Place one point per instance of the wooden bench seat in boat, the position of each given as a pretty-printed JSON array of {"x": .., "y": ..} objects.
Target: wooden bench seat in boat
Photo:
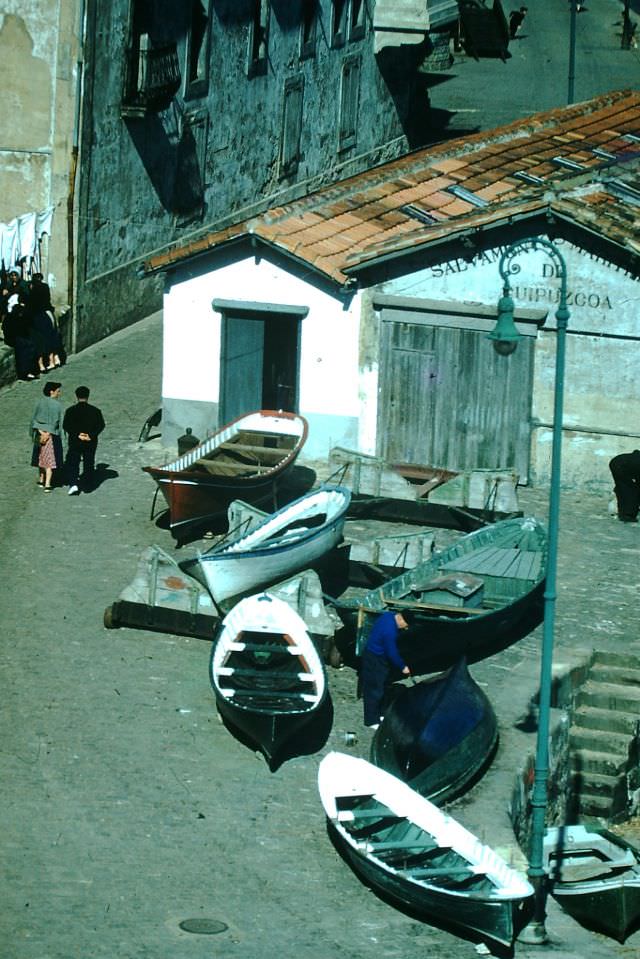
[
  {"x": 430, "y": 607},
  {"x": 222, "y": 467},
  {"x": 287, "y": 440},
  {"x": 269, "y": 452},
  {"x": 242, "y": 672}
]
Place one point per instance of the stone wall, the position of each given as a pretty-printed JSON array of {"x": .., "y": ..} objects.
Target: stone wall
[{"x": 212, "y": 154}]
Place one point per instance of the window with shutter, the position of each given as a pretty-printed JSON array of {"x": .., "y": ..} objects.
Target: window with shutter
[
  {"x": 291, "y": 125},
  {"x": 349, "y": 103}
]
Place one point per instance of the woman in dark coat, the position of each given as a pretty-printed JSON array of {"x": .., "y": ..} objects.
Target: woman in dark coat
[
  {"x": 16, "y": 329},
  {"x": 44, "y": 330}
]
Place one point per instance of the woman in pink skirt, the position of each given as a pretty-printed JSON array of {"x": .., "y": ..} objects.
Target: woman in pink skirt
[{"x": 46, "y": 429}]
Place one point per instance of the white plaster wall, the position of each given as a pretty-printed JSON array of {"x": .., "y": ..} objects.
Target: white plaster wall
[
  {"x": 329, "y": 382},
  {"x": 191, "y": 342},
  {"x": 602, "y": 386}
]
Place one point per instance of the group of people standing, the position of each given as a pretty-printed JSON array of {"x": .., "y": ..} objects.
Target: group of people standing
[
  {"x": 83, "y": 424},
  {"x": 29, "y": 324}
]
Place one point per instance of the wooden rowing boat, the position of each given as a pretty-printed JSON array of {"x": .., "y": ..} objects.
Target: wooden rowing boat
[
  {"x": 267, "y": 676},
  {"x": 437, "y": 735},
  {"x": 415, "y": 854},
  {"x": 595, "y": 876},
  {"x": 473, "y": 599},
  {"x": 246, "y": 459},
  {"x": 294, "y": 538}
]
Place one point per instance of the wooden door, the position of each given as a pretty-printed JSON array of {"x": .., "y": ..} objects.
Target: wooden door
[
  {"x": 241, "y": 363},
  {"x": 448, "y": 400}
]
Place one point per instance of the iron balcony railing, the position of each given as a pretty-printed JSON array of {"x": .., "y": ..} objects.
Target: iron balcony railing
[{"x": 153, "y": 77}]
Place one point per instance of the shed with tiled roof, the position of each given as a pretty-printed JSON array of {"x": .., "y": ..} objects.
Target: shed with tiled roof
[{"x": 363, "y": 305}]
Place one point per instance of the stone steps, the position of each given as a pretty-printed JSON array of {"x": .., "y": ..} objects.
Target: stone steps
[
  {"x": 617, "y": 674},
  {"x": 615, "y": 659},
  {"x": 613, "y": 696},
  {"x": 603, "y": 763},
  {"x": 593, "y": 807},
  {"x": 599, "y": 740},
  {"x": 599, "y": 784},
  {"x": 617, "y": 721},
  {"x": 605, "y": 718}
]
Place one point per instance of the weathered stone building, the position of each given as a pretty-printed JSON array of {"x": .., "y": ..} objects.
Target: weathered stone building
[
  {"x": 39, "y": 53},
  {"x": 200, "y": 113}
]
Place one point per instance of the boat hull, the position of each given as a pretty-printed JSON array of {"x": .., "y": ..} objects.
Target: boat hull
[
  {"x": 270, "y": 732},
  {"x": 266, "y": 673},
  {"x": 497, "y": 921},
  {"x": 253, "y": 562},
  {"x": 195, "y": 496},
  {"x": 439, "y": 637},
  {"x": 613, "y": 910},
  {"x": 438, "y": 735}
]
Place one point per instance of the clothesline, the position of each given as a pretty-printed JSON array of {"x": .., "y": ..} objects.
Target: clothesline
[{"x": 20, "y": 239}]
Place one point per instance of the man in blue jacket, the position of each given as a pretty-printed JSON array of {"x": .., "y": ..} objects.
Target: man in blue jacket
[{"x": 379, "y": 658}]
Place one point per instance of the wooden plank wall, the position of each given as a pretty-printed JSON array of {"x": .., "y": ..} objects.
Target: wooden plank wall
[{"x": 448, "y": 400}]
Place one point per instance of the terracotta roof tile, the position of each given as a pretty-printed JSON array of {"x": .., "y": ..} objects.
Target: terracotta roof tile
[
  {"x": 449, "y": 166},
  {"x": 354, "y": 221}
]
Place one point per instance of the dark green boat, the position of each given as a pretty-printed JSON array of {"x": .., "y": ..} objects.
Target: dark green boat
[
  {"x": 474, "y": 599},
  {"x": 438, "y": 735},
  {"x": 418, "y": 856},
  {"x": 595, "y": 876}
]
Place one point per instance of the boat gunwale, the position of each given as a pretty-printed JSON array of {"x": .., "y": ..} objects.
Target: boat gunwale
[
  {"x": 232, "y": 550},
  {"x": 378, "y": 598},
  {"x": 183, "y": 472},
  {"x": 498, "y": 872},
  {"x": 298, "y": 636}
]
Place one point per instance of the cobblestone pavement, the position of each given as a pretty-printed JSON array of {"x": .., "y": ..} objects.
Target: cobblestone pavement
[{"x": 128, "y": 807}]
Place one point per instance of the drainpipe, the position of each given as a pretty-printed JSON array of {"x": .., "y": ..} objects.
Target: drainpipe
[{"x": 73, "y": 167}]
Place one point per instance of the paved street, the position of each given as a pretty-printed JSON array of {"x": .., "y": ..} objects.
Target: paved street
[
  {"x": 481, "y": 94},
  {"x": 128, "y": 807}
]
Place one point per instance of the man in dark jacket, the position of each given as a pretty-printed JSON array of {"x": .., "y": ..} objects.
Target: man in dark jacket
[
  {"x": 379, "y": 660},
  {"x": 83, "y": 424}
]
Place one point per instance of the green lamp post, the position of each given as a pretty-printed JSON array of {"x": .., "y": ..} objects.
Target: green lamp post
[{"x": 505, "y": 338}]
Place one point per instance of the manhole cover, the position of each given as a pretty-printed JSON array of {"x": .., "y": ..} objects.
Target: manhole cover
[{"x": 203, "y": 927}]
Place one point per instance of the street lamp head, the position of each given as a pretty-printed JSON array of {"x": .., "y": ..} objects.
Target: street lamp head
[{"x": 504, "y": 335}]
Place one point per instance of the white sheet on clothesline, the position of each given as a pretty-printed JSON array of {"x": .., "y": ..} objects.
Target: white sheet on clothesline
[{"x": 20, "y": 237}]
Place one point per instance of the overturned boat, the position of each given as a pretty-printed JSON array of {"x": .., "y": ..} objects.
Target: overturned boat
[
  {"x": 294, "y": 538},
  {"x": 267, "y": 676},
  {"x": 437, "y": 735},
  {"x": 246, "y": 459},
  {"x": 412, "y": 852}
]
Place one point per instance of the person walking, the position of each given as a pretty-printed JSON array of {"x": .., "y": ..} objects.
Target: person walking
[
  {"x": 46, "y": 433},
  {"x": 83, "y": 424},
  {"x": 516, "y": 18},
  {"x": 379, "y": 659},
  {"x": 625, "y": 469}
]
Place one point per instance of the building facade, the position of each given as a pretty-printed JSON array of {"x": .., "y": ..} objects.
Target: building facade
[
  {"x": 201, "y": 113},
  {"x": 40, "y": 56},
  {"x": 366, "y": 307}
]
